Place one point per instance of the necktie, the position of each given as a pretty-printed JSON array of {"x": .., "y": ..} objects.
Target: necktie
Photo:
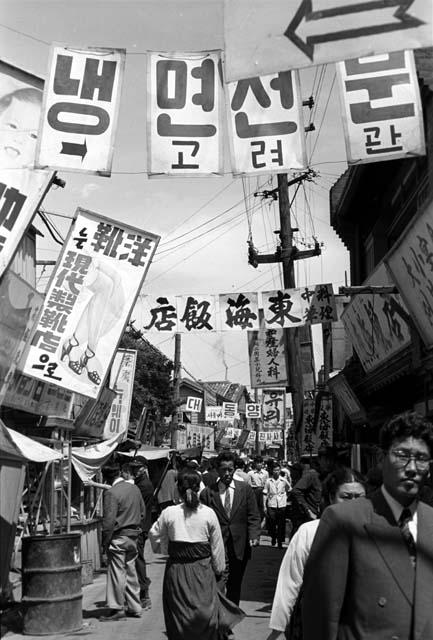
[
  {"x": 403, "y": 523},
  {"x": 227, "y": 504}
]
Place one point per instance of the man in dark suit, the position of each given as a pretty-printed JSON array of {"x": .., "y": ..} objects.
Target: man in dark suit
[
  {"x": 236, "y": 508},
  {"x": 124, "y": 511},
  {"x": 143, "y": 482},
  {"x": 370, "y": 570}
]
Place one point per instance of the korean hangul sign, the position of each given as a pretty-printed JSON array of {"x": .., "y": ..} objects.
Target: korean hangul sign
[
  {"x": 239, "y": 311},
  {"x": 286, "y": 308},
  {"x": 270, "y": 437},
  {"x": 21, "y": 187},
  {"x": 253, "y": 410},
  {"x": 93, "y": 416},
  {"x": 273, "y": 407},
  {"x": 266, "y": 129},
  {"x": 122, "y": 382},
  {"x": 411, "y": 265},
  {"x": 193, "y": 404},
  {"x": 375, "y": 323},
  {"x": 81, "y": 104},
  {"x": 265, "y": 37},
  {"x": 214, "y": 414},
  {"x": 230, "y": 411},
  {"x": 90, "y": 295},
  {"x": 267, "y": 357},
  {"x": 382, "y": 113},
  {"x": 252, "y": 437},
  {"x": 184, "y": 114}
]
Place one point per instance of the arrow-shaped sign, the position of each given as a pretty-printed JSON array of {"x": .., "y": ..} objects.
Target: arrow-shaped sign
[
  {"x": 306, "y": 28},
  {"x": 74, "y": 149}
]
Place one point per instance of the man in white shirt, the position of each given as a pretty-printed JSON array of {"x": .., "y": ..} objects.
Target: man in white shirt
[
  {"x": 258, "y": 476},
  {"x": 275, "y": 503},
  {"x": 370, "y": 569}
]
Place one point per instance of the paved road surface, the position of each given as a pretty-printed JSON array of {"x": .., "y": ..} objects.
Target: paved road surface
[{"x": 257, "y": 594}]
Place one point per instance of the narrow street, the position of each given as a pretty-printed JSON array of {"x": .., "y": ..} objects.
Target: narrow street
[{"x": 257, "y": 594}]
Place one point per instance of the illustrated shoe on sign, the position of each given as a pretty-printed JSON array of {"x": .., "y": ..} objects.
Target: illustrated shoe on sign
[
  {"x": 92, "y": 375},
  {"x": 115, "y": 614}
]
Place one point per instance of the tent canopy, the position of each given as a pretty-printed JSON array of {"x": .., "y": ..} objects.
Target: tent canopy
[
  {"x": 148, "y": 452},
  {"x": 27, "y": 448}
]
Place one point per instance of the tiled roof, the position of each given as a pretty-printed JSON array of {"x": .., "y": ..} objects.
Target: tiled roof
[{"x": 229, "y": 390}]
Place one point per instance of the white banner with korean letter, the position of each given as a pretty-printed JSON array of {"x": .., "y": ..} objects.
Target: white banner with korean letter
[
  {"x": 81, "y": 104},
  {"x": 95, "y": 283},
  {"x": 184, "y": 135},
  {"x": 382, "y": 113},
  {"x": 266, "y": 129},
  {"x": 122, "y": 382}
]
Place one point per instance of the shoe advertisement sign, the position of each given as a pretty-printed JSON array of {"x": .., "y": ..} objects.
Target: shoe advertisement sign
[{"x": 92, "y": 290}]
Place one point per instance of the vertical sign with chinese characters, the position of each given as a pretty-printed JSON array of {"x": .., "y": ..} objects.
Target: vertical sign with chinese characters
[
  {"x": 81, "y": 104},
  {"x": 184, "y": 114},
  {"x": 411, "y": 265},
  {"x": 266, "y": 128},
  {"x": 324, "y": 426},
  {"x": 267, "y": 357},
  {"x": 308, "y": 436},
  {"x": 122, "y": 382},
  {"x": 274, "y": 408},
  {"x": 239, "y": 311},
  {"x": 90, "y": 295},
  {"x": 21, "y": 187},
  {"x": 382, "y": 113}
]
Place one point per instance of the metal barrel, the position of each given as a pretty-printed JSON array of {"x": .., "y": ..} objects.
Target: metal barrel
[{"x": 52, "y": 584}]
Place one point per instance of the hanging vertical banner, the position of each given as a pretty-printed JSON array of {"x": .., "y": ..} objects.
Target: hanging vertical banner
[
  {"x": 308, "y": 436},
  {"x": 266, "y": 129},
  {"x": 122, "y": 382},
  {"x": 289, "y": 308},
  {"x": 92, "y": 290},
  {"x": 382, "y": 112},
  {"x": 324, "y": 432},
  {"x": 239, "y": 311},
  {"x": 411, "y": 264},
  {"x": 376, "y": 325},
  {"x": 81, "y": 105},
  {"x": 267, "y": 357},
  {"x": 196, "y": 313},
  {"x": 274, "y": 408},
  {"x": 21, "y": 187},
  {"x": 184, "y": 114}
]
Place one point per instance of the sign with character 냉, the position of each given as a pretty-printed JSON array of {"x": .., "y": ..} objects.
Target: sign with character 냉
[
  {"x": 90, "y": 295},
  {"x": 184, "y": 114},
  {"x": 81, "y": 104},
  {"x": 382, "y": 113},
  {"x": 266, "y": 129}
]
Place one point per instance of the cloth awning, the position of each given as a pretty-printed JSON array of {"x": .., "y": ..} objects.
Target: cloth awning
[
  {"x": 88, "y": 460},
  {"x": 150, "y": 453},
  {"x": 31, "y": 449}
]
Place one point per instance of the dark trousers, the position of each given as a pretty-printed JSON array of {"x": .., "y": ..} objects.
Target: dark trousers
[
  {"x": 277, "y": 524},
  {"x": 231, "y": 580},
  {"x": 258, "y": 492},
  {"x": 140, "y": 566}
]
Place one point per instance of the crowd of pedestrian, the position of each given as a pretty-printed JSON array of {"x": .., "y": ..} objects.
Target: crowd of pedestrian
[{"x": 359, "y": 558}]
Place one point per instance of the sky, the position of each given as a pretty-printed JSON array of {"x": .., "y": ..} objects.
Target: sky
[{"x": 204, "y": 223}]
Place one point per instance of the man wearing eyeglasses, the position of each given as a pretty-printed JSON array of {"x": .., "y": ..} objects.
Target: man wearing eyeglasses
[{"x": 370, "y": 570}]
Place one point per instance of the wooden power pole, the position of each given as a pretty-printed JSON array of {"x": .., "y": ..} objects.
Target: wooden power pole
[{"x": 176, "y": 391}]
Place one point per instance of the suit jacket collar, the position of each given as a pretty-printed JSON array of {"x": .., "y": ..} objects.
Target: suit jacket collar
[
  {"x": 386, "y": 534},
  {"x": 424, "y": 568}
]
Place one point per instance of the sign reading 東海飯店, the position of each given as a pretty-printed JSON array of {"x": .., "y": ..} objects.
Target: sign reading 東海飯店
[{"x": 263, "y": 37}]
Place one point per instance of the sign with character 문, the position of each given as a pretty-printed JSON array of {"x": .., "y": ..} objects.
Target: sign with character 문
[
  {"x": 95, "y": 283},
  {"x": 184, "y": 114},
  {"x": 382, "y": 113},
  {"x": 266, "y": 129},
  {"x": 81, "y": 104}
]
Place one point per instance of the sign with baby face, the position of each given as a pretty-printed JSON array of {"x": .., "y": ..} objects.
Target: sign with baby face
[{"x": 81, "y": 104}]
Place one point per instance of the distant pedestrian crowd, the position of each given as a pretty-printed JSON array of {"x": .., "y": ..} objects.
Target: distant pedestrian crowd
[{"x": 359, "y": 558}]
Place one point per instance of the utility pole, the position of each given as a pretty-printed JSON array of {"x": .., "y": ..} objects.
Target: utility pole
[
  {"x": 287, "y": 253},
  {"x": 176, "y": 391}
]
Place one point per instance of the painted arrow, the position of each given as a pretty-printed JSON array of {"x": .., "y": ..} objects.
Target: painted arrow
[
  {"x": 74, "y": 149},
  {"x": 306, "y": 21}
]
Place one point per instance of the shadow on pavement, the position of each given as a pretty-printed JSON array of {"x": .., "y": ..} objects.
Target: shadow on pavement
[{"x": 261, "y": 575}]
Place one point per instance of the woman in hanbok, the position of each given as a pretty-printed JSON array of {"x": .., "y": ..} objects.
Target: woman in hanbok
[{"x": 189, "y": 533}]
